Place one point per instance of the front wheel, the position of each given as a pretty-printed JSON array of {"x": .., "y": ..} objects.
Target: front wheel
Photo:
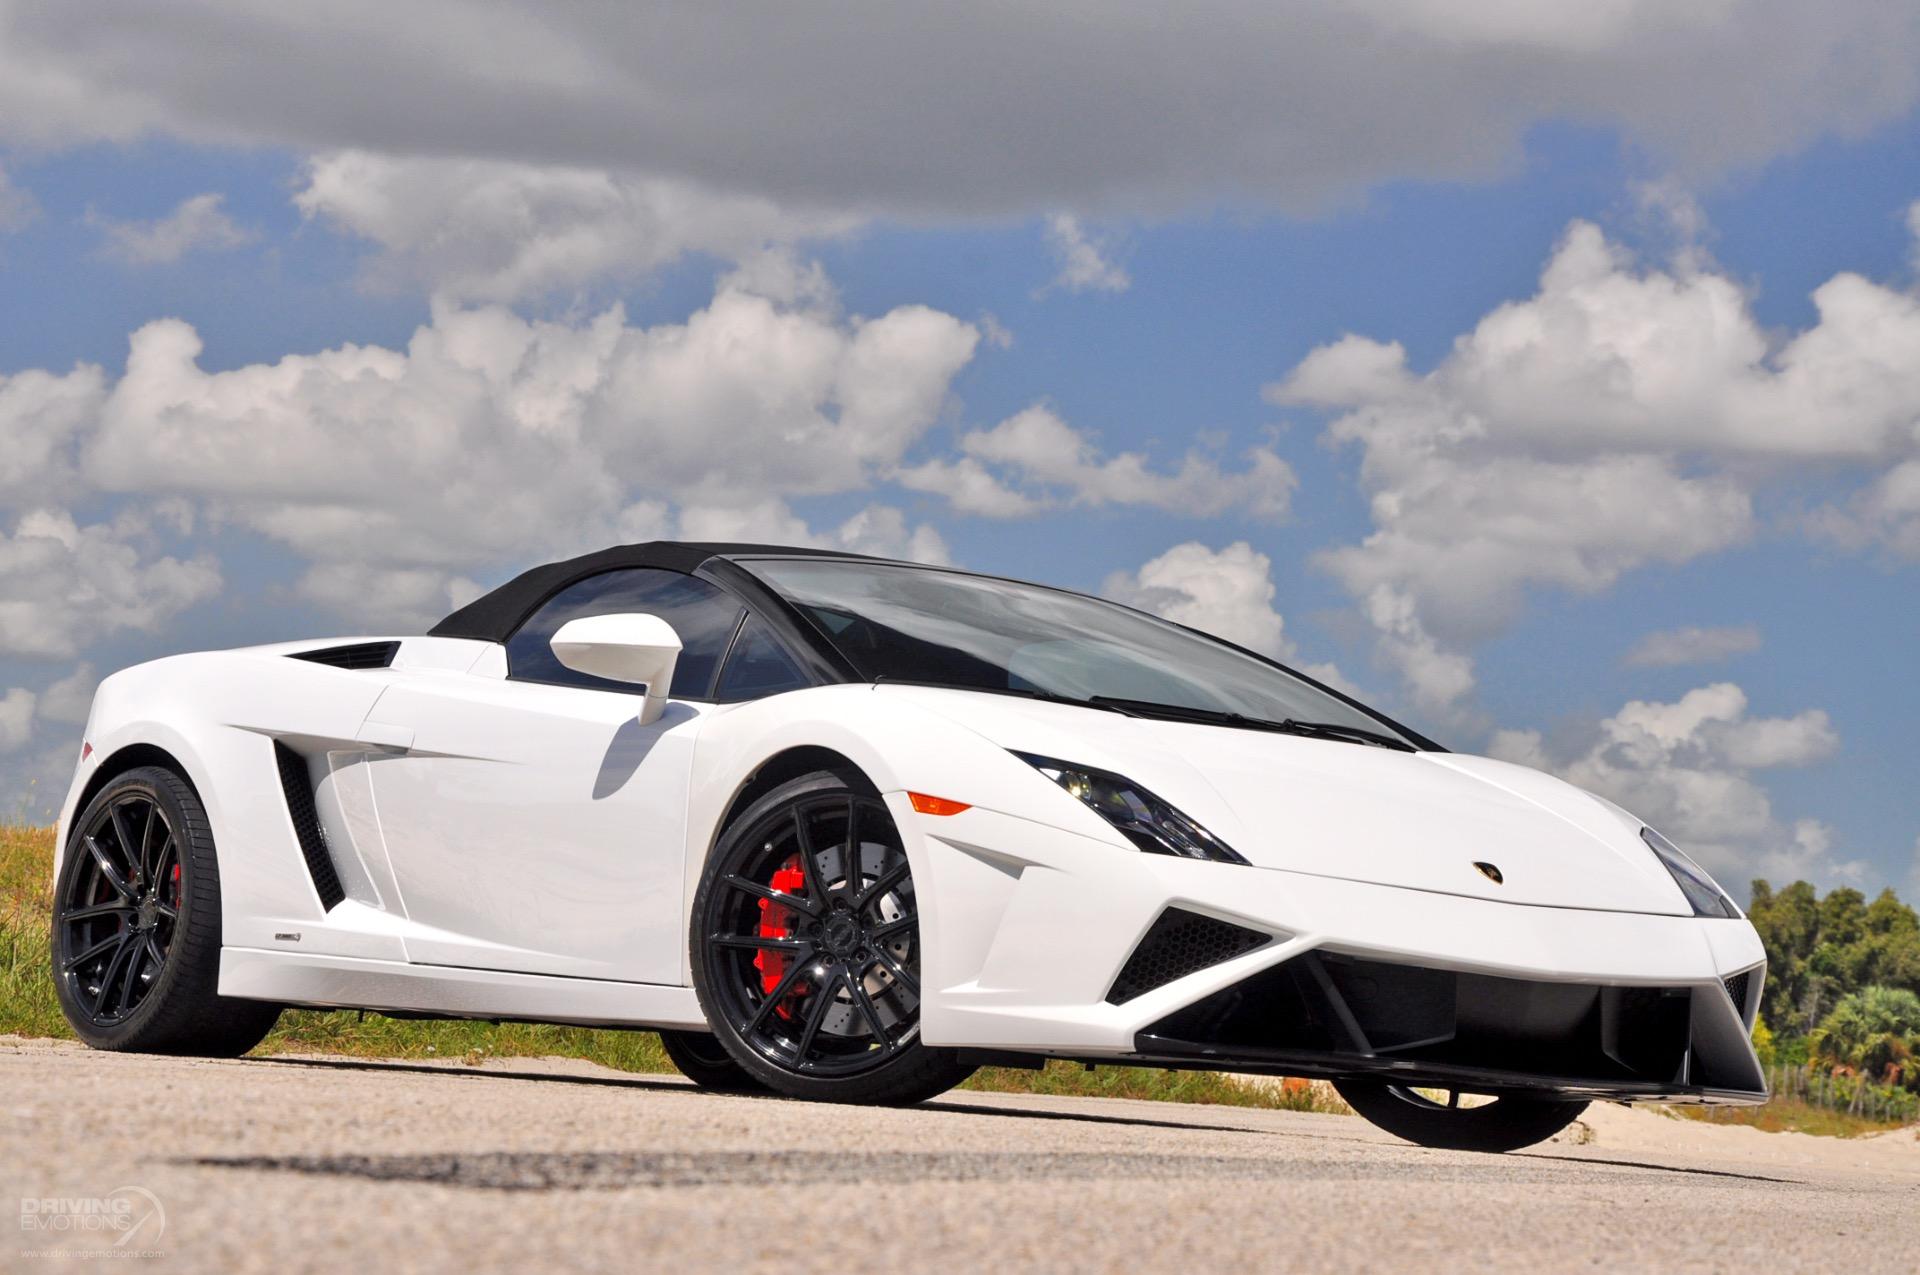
[
  {"x": 136, "y": 926},
  {"x": 1439, "y": 1118},
  {"x": 805, "y": 946}
]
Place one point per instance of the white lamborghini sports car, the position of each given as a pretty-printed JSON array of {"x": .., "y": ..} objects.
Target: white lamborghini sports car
[{"x": 844, "y": 828}]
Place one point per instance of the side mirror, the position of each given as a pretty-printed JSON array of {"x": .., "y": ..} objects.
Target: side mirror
[{"x": 640, "y": 649}]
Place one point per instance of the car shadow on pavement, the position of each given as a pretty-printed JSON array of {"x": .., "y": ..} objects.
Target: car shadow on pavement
[
  {"x": 453, "y": 1067},
  {"x": 676, "y": 1085},
  {"x": 1659, "y": 1168},
  {"x": 680, "y": 1086}
]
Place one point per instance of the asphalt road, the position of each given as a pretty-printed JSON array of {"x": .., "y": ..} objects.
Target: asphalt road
[{"x": 287, "y": 1165}]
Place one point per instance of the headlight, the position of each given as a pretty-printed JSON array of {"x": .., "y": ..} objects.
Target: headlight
[
  {"x": 1144, "y": 819},
  {"x": 1706, "y": 896}
]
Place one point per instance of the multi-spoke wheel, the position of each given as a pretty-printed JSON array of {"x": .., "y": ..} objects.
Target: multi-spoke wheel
[
  {"x": 806, "y": 949},
  {"x": 1460, "y": 1121},
  {"x": 136, "y": 926}
]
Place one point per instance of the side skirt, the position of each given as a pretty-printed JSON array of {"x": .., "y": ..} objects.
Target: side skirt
[{"x": 345, "y": 982}]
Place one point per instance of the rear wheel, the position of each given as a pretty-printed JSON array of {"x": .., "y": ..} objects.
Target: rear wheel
[
  {"x": 704, "y": 1061},
  {"x": 136, "y": 926},
  {"x": 1451, "y": 1119},
  {"x": 806, "y": 949}
]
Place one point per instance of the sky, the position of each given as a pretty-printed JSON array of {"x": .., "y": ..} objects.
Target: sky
[{"x": 1546, "y": 375}]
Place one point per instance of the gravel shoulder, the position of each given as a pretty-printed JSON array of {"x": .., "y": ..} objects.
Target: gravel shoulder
[{"x": 296, "y": 1164}]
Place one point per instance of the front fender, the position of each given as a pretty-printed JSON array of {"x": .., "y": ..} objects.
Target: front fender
[
  {"x": 898, "y": 744},
  {"x": 904, "y": 747}
]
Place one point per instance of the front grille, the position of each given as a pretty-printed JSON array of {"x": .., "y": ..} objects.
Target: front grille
[
  {"x": 1176, "y": 945},
  {"x": 297, "y": 784},
  {"x": 354, "y": 656}
]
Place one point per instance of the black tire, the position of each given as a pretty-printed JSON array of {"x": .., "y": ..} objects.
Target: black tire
[
  {"x": 838, "y": 934},
  {"x": 707, "y": 1064},
  {"x": 1507, "y": 1123},
  {"x": 136, "y": 926}
]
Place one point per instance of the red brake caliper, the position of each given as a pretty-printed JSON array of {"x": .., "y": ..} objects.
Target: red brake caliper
[{"x": 777, "y": 922}]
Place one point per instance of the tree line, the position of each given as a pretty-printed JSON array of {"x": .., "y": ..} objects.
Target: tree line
[{"x": 1843, "y": 980}]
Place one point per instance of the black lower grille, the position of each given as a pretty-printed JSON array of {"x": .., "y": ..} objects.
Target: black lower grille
[
  {"x": 1323, "y": 1003},
  {"x": 1176, "y": 945},
  {"x": 298, "y": 786}
]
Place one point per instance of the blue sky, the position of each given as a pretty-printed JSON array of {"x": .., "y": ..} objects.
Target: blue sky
[{"x": 432, "y": 351}]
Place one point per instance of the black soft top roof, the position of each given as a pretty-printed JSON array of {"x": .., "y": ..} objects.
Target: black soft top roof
[{"x": 493, "y": 617}]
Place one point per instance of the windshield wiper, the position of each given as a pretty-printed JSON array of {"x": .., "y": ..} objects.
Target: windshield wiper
[
  {"x": 1354, "y": 734},
  {"x": 1223, "y": 717}
]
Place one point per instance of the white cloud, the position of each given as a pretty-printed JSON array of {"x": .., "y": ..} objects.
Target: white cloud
[
  {"x": 884, "y": 532},
  {"x": 42, "y": 414},
  {"x": 63, "y": 586},
  {"x": 198, "y": 224},
  {"x": 486, "y": 230},
  {"x": 880, "y": 530},
  {"x": 70, "y": 698},
  {"x": 387, "y": 599},
  {"x": 1226, "y": 592},
  {"x": 1885, "y": 515},
  {"x": 1224, "y": 101},
  {"x": 1085, "y": 262},
  {"x": 1034, "y": 461},
  {"x": 1687, "y": 767},
  {"x": 1619, "y": 417},
  {"x": 1693, "y": 645},
  {"x": 493, "y": 438},
  {"x": 1435, "y": 676},
  {"x": 18, "y": 207},
  {"x": 16, "y": 718}
]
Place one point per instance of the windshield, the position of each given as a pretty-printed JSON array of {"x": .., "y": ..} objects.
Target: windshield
[{"x": 913, "y": 624}]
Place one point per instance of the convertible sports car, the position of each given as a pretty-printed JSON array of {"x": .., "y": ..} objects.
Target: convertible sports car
[{"x": 845, "y": 828}]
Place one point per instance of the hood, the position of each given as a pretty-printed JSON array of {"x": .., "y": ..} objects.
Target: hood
[{"x": 1419, "y": 821}]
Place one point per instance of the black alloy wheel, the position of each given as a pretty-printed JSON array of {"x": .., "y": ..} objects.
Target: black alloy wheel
[
  {"x": 1439, "y": 1117},
  {"x": 136, "y": 926},
  {"x": 806, "y": 949},
  {"x": 121, "y": 910}
]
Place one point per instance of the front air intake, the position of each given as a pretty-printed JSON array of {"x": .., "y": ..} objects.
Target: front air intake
[
  {"x": 355, "y": 656},
  {"x": 1737, "y": 985},
  {"x": 297, "y": 784},
  {"x": 1180, "y": 943}
]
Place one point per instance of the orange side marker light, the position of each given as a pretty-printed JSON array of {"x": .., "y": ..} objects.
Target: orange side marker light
[{"x": 936, "y": 805}]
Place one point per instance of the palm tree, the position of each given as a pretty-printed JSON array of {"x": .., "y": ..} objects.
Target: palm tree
[{"x": 1874, "y": 1032}]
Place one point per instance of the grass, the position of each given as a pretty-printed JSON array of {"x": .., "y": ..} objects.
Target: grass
[
  {"x": 1788, "y": 1115},
  {"x": 28, "y": 1008}
]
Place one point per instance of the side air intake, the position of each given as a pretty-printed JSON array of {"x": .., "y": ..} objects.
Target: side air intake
[
  {"x": 354, "y": 656},
  {"x": 298, "y": 786},
  {"x": 1176, "y": 945}
]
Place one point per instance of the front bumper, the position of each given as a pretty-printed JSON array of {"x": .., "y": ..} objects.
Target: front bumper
[{"x": 1029, "y": 929}]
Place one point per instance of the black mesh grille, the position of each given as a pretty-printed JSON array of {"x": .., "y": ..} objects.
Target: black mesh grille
[
  {"x": 358, "y": 655},
  {"x": 1737, "y": 989},
  {"x": 1176, "y": 945},
  {"x": 298, "y": 786}
]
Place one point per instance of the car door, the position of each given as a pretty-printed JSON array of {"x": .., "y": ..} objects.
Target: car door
[{"x": 532, "y": 823}]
